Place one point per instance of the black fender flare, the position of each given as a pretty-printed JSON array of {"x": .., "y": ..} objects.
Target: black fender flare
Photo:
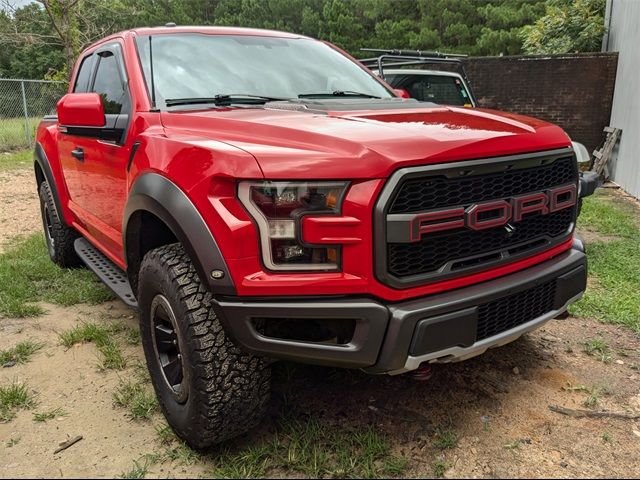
[
  {"x": 158, "y": 195},
  {"x": 40, "y": 158}
]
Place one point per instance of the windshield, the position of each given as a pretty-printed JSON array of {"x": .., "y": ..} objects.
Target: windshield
[
  {"x": 188, "y": 66},
  {"x": 442, "y": 89}
]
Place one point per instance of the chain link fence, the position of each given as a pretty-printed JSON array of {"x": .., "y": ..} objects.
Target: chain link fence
[{"x": 23, "y": 103}]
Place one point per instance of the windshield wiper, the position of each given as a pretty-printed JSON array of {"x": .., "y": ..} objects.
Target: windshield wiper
[
  {"x": 222, "y": 100},
  {"x": 337, "y": 93}
]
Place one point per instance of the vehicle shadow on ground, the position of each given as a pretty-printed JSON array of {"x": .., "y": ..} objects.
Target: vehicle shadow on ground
[{"x": 457, "y": 396}]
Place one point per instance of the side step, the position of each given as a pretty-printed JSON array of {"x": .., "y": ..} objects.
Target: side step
[{"x": 108, "y": 272}]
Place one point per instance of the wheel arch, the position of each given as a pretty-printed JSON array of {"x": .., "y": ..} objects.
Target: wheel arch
[
  {"x": 158, "y": 213},
  {"x": 43, "y": 172}
]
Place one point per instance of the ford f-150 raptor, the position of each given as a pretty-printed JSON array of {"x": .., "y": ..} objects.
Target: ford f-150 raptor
[{"x": 261, "y": 195}]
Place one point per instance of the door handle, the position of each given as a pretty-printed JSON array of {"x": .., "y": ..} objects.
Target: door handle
[{"x": 78, "y": 154}]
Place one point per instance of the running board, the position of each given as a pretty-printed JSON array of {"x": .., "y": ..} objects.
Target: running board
[{"x": 108, "y": 272}]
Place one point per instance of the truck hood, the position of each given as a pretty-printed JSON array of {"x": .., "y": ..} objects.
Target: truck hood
[{"x": 303, "y": 140}]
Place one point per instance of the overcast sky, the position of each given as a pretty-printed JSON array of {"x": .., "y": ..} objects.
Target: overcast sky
[{"x": 15, "y": 3}]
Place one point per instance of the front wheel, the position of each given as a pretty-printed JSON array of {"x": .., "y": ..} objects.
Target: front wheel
[
  {"x": 209, "y": 390},
  {"x": 57, "y": 234}
]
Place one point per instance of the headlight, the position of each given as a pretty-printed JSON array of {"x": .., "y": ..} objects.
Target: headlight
[{"x": 278, "y": 207}]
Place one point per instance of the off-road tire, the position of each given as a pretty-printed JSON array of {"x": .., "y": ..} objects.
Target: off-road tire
[
  {"x": 227, "y": 389},
  {"x": 58, "y": 236}
]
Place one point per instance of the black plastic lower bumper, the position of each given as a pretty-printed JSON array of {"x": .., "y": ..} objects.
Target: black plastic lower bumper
[{"x": 392, "y": 338}]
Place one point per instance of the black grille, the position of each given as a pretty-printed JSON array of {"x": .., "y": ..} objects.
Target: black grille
[
  {"x": 436, "y": 250},
  {"x": 452, "y": 253},
  {"x": 509, "y": 312},
  {"x": 427, "y": 193}
]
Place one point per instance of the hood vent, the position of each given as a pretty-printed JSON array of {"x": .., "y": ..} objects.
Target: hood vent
[
  {"x": 293, "y": 106},
  {"x": 323, "y": 105}
]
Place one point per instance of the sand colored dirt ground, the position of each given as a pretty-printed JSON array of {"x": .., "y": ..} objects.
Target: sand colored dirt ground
[{"x": 497, "y": 404}]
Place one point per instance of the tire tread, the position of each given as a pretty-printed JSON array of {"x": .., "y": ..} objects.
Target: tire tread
[
  {"x": 63, "y": 252},
  {"x": 231, "y": 387}
]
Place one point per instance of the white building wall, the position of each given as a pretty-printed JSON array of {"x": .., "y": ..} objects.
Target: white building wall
[{"x": 623, "y": 19}]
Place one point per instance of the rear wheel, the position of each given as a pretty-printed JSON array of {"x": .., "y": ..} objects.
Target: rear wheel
[
  {"x": 209, "y": 390},
  {"x": 57, "y": 234}
]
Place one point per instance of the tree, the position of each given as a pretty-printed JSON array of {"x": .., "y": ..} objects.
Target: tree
[
  {"x": 32, "y": 48},
  {"x": 341, "y": 26},
  {"x": 568, "y": 26},
  {"x": 46, "y": 36},
  {"x": 62, "y": 14}
]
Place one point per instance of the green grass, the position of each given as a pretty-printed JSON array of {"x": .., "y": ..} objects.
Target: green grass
[
  {"x": 614, "y": 265},
  {"x": 139, "y": 470},
  {"x": 14, "y": 397},
  {"x": 49, "y": 415},
  {"x": 16, "y": 159},
  {"x": 181, "y": 453},
  {"x": 445, "y": 439},
  {"x": 165, "y": 434},
  {"x": 608, "y": 215},
  {"x": 132, "y": 336},
  {"x": 175, "y": 450},
  {"x": 12, "y": 442},
  {"x": 298, "y": 448},
  {"x": 85, "y": 333},
  {"x": 13, "y": 132},
  {"x": 27, "y": 276},
  {"x": 595, "y": 393},
  {"x": 102, "y": 336},
  {"x": 394, "y": 466},
  {"x": 310, "y": 449},
  {"x": 6, "y": 414},
  {"x": 21, "y": 353},
  {"x": 439, "y": 467},
  {"x": 135, "y": 396},
  {"x": 513, "y": 445},
  {"x": 113, "y": 358},
  {"x": 598, "y": 347}
]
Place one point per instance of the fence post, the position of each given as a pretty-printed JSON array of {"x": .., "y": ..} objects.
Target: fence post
[{"x": 26, "y": 115}]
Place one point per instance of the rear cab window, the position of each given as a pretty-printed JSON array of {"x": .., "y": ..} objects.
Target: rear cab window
[{"x": 441, "y": 89}]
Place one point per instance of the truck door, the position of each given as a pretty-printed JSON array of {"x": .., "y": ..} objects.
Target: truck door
[{"x": 95, "y": 167}]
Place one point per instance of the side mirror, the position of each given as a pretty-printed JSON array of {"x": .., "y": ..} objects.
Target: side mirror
[
  {"x": 81, "y": 110},
  {"x": 401, "y": 92},
  {"x": 589, "y": 181},
  {"x": 582, "y": 154}
]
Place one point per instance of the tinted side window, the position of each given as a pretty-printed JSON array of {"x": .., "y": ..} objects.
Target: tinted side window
[
  {"x": 84, "y": 75},
  {"x": 108, "y": 84}
]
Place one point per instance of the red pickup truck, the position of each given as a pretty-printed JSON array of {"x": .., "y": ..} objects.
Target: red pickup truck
[{"x": 261, "y": 195}]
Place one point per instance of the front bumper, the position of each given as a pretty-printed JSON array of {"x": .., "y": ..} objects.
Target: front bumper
[{"x": 397, "y": 337}]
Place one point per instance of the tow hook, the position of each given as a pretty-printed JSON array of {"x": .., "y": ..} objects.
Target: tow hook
[{"x": 421, "y": 374}]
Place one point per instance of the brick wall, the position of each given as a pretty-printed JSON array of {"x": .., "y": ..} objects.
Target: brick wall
[{"x": 574, "y": 91}]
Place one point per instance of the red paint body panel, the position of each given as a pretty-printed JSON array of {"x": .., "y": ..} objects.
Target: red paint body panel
[
  {"x": 331, "y": 230},
  {"x": 358, "y": 145},
  {"x": 206, "y": 152}
]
